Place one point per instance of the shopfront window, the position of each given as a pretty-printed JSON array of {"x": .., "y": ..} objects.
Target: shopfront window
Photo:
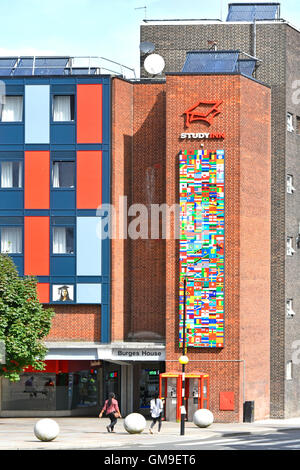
[
  {"x": 149, "y": 386},
  {"x": 33, "y": 392},
  {"x": 51, "y": 392},
  {"x": 83, "y": 387}
]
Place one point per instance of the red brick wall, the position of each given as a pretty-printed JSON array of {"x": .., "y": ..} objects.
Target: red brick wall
[
  {"x": 75, "y": 323},
  {"x": 138, "y": 171},
  {"x": 222, "y": 364},
  {"x": 255, "y": 226},
  {"x": 148, "y": 187},
  {"x": 122, "y": 130}
]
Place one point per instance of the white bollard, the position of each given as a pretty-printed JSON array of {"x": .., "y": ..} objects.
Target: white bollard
[
  {"x": 134, "y": 423},
  {"x": 46, "y": 429},
  {"x": 203, "y": 418}
]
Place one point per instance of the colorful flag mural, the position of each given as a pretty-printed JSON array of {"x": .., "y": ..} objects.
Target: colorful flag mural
[{"x": 202, "y": 247}]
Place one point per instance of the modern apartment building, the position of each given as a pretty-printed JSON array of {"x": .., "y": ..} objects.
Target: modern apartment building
[
  {"x": 257, "y": 30},
  {"x": 71, "y": 143}
]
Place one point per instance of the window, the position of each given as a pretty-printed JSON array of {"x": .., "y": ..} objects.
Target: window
[
  {"x": 289, "y": 184},
  {"x": 289, "y": 370},
  {"x": 289, "y": 308},
  {"x": 289, "y": 122},
  {"x": 11, "y": 110},
  {"x": 63, "y": 174},
  {"x": 11, "y": 240},
  {"x": 11, "y": 175},
  {"x": 63, "y": 240},
  {"x": 63, "y": 108},
  {"x": 289, "y": 246},
  {"x": 298, "y": 125}
]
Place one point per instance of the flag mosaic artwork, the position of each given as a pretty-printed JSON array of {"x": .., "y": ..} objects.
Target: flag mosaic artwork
[{"x": 202, "y": 247}]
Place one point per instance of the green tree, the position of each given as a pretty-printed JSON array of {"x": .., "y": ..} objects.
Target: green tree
[{"x": 23, "y": 321}]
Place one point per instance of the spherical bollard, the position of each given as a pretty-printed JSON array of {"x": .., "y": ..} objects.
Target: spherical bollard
[
  {"x": 46, "y": 429},
  {"x": 203, "y": 418},
  {"x": 134, "y": 423}
]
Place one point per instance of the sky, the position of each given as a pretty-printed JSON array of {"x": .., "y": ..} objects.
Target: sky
[{"x": 105, "y": 28}]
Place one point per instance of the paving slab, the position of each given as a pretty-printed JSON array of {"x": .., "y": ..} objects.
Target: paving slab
[{"x": 91, "y": 433}]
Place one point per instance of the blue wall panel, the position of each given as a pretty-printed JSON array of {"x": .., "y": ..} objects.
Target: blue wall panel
[
  {"x": 11, "y": 133},
  {"x": 11, "y": 199},
  {"x": 88, "y": 293},
  {"x": 63, "y": 133},
  {"x": 61, "y": 265},
  {"x": 37, "y": 114},
  {"x": 62, "y": 199},
  {"x": 88, "y": 246}
]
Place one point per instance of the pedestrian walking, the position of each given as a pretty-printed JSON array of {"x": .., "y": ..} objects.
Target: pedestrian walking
[
  {"x": 112, "y": 411},
  {"x": 156, "y": 408}
]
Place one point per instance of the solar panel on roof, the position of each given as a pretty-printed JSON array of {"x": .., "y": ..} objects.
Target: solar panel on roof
[
  {"x": 218, "y": 62},
  {"x": 6, "y": 65},
  {"x": 24, "y": 66},
  {"x": 210, "y": 62},
  {"x": 251, "y": 12},
  {"x": 50, "y": 65},
  {"x": 246, "y": 66},
  {"x": 51, "y": 61}
]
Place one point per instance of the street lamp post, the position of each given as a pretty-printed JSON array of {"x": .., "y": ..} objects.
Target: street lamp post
[{"x": 183, "y": 361}]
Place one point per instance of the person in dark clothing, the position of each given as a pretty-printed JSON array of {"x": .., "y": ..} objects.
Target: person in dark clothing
[{"x": 112, "y": 411}]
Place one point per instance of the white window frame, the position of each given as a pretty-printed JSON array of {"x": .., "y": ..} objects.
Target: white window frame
[
  {"x": 289, "y": 246},
  {"x": 289, "y": 308},
  {"x": 17, "y": 235},
  {"x": 290, "y": 122},
  {"x": 289, "y": 184},
  {"x": 3, "y": 110},
  {"x": 289, "y": 370}
]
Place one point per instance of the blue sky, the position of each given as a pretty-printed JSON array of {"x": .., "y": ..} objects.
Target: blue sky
[{"x": 106, "y": 28}]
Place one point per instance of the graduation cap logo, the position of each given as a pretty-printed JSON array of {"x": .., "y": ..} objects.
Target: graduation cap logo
[{"x": 203, "y": 111}]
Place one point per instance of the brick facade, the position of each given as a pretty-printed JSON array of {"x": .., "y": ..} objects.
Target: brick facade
[
  {"x": 138, "y": 162},
  {"x": 75, "y": 323},
  {"x": 246, "y": 123},
  {"x": 152, "y": 266},
  {"x": 278, "y": 48}
]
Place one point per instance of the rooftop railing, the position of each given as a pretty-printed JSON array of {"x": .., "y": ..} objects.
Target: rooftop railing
[{"x": 61, "y": 65}]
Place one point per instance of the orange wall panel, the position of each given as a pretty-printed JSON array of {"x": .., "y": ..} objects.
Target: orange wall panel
[
  {"x": 37, "y": 246},
  {"x": 37, "y": 180},
  {"x": 89, "y": 114},
  {"x": 43, "y": 292},
  {"x": 89, "y": 179}
]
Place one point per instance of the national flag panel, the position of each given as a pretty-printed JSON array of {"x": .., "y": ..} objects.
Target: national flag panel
[{"x": 202, "y": 175}]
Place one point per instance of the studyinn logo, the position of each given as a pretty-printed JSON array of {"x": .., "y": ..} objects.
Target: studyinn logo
[{"x": 203, "y": 111}]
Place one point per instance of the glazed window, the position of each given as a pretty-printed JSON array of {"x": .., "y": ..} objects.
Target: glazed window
[
  {"x": 11, "y": 240},
  {"x": 11, "y": 109},
  {"x": 289, "y": 246},
  {"x": 289, "y": 122},
  {"x": 298, "y": 125},
  {"x": 63, "y": 240},
  {"x": 289, "y": 308},
  {"x": 63, "y": 174},
  {"x": 289, "y": 184},
  {"x": 63, "y": 108},
  {"x": 289, "y": 370},
  {"x": 11, "y": 174}
]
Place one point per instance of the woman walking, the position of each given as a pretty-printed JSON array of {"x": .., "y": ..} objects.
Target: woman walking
[
  {"x": 156, "y": 407},
  {"x": 112, "y": 411}
]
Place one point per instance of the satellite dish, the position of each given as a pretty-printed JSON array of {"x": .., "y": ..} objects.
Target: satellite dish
[
  {"x": 147, "y": 47},
  {"x": 154, "y": 64}
]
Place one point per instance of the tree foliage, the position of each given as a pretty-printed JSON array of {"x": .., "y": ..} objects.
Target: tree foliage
[{"x": 23, "y": 321}]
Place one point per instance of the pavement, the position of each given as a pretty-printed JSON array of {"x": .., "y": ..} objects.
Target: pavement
[{"x": 91, "y": 433}]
